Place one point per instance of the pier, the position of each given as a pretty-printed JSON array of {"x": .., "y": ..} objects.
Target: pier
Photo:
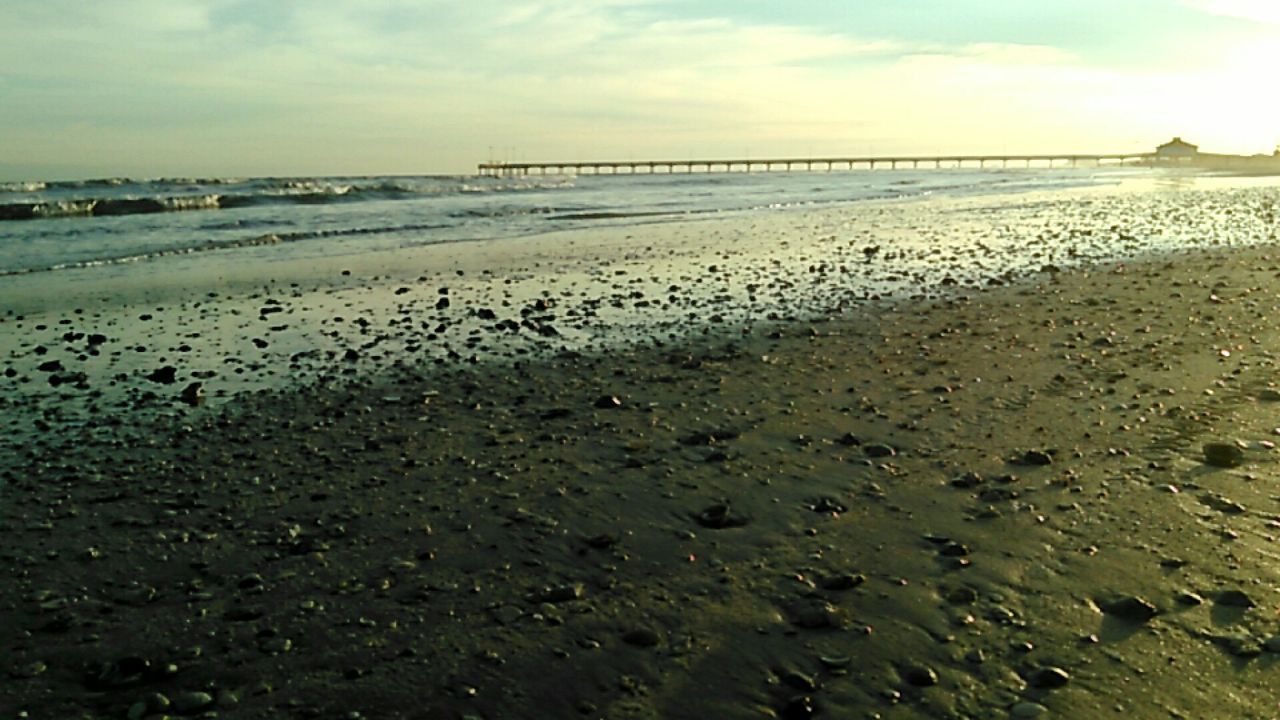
[{"x": 642, "y": 167}]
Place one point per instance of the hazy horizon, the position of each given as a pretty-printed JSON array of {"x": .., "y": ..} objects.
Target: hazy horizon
[{"x": 145, "y": 88}]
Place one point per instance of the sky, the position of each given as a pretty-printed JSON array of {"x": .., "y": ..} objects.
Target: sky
[{"x": 165, "y": 88}]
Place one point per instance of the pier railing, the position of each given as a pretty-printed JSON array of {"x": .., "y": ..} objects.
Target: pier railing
[{"x": 603, "y": 167}]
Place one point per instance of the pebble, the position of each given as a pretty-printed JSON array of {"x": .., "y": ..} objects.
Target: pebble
[
  {"x": 1024, "y": 710},
  {"x": 962, "y": 595},
  {"x": 799, "y": 681},
  {"x": 1132, "y": 608},
  {"x": 879, "y": 450},
  {"x": 1186, "y": 597},
  {"x": 719, "y": 517},
  {"x": 557, "y": 593},
  {"x": 1049, "y": 678},
  {"x": 815, "y": 613},
  {"x": 800, "y": 707},
  {"x": 1236, "y": 598},
  {"x": 843, "y": 581},
  {"x": 920, "y": 676},
  {"x": 641, "y": 637},
  {"x": 1224, "y": 455},
  {"x": 28, "y": 671},
  {"x": 1037, "y": 457},
  {"x": 186, "y": 703}
]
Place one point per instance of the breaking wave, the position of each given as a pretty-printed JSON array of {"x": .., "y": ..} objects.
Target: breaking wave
[{"x": 69, "y": 199}]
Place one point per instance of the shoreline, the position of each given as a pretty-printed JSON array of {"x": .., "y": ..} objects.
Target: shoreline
[{"x": 922, "y": 509}]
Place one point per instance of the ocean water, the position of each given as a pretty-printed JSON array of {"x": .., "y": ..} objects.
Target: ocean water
[{"x": 53, "y": 226}]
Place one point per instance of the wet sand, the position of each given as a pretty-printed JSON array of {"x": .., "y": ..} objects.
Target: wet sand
[{"x": 992, "y": 499}]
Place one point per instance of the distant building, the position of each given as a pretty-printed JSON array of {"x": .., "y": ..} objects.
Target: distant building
[{"x": 1177, "y": 149}]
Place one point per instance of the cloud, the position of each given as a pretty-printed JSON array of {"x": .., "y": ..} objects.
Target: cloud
[{"x": 1261, "y": 11}]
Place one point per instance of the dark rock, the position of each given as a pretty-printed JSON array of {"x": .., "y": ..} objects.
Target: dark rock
[
  {"x": 879, "y": 450},
  {"x": 244, "y": 614},
  {"x": 1131, "y": 608},
  {"x": 962, "y": 595},
  {"x": 799, "y": 681},
  {"x": 849, "y": 440},
  {"x": 1236, "y": 598},
  {"x": 827, "y": 504},
  {"x": 842, "y": 581},
  {"x": 192, "y": 394},
  {"x": 166, "y": 375},
  {"x": 641, "y": 637},
  {"x": 28, "y": 671},
  {"x": 603, "y": 541},
  {"x": 718, "y": 517},
  {"x": 1224, "y": 455},
  {"x": 187, "y": 703},
  {"x": 50, "y": 366},
  {"x": 1037, "y": 457},
  {"x": 121, "y": 673},
  {"x": 557, "y": 593},
  {"x": 920, "y": 676},
  {"x": 1049, "y": 678},
  {"x": 608, "y": 402},
  {"x": 800, "y": 707},
  {"x": 815, "y": 614},
  {"x": 708, "y": 437}
]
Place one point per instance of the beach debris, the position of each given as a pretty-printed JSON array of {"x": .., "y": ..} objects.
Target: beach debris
[{"x": 1223, "y": 455}]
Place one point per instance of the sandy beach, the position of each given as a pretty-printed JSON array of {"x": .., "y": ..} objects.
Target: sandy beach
[{"x": 987, "y": 457}]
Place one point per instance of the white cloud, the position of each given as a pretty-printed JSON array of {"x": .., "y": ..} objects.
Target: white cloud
[{"x": 1262, "y": 11}]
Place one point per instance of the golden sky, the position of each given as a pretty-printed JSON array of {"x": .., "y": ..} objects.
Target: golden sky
[{"x": 231, "y": 87}]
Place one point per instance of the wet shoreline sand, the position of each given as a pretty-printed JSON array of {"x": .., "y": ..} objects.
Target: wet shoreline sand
[{"x": 974, "y": 505}]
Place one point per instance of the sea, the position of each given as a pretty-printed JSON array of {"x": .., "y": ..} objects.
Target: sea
[{"x": 51, "y": 226}]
